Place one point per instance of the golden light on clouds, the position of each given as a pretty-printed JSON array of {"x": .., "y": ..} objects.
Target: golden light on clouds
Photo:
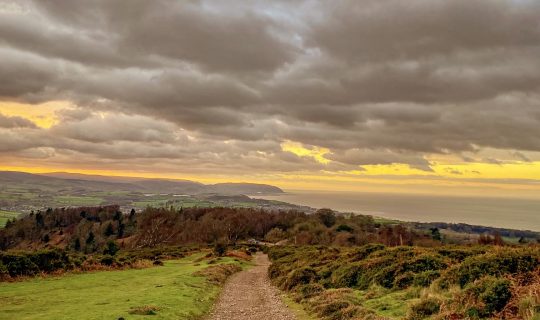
[
  {"x": 514, "y": 170},
  {"x": 317, "y": 153},
  {"x": 325, "y": 112},
  {"x": 44, "y": 115}
]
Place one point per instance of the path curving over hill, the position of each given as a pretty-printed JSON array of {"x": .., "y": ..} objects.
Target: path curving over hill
[{"x": 248, "y": 295}]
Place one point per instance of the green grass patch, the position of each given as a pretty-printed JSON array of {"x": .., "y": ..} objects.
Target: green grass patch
[
  {"x": 387, "y": 303},
  {"x": 384, "y": 221},
  {"x": 7, "y": 215},
  {"x": 78, "y": 200},
  {"x": 297, "y": 309},
  {"x": 167, "y": 292}
]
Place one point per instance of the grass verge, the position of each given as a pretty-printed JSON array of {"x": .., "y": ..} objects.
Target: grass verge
[
  {"x": 297, "y": 309},
  {"x": 172, "y": 291}
]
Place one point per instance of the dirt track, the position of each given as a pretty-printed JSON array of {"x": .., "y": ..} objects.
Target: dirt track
[{"x": 249, "y": 295}]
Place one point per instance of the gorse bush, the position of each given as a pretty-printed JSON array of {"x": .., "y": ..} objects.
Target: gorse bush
[
  {"x": 424, "y": 279},
  {"x": 299, "y": 277},
  {"x": 30, "y": 263},
  {"x": 476, "y": 274},
  {"x": 424, "y": 308},
  {"x": 499, "y": 263},
  {"x": 489, "y": 295}
]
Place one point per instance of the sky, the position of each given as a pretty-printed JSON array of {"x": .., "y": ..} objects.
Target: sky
[{"x": 418, "y": 96}]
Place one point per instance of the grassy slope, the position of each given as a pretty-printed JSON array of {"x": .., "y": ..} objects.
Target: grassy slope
[
  {"x": 110, "y": 295},
  {"x": 5, "y": 215}
]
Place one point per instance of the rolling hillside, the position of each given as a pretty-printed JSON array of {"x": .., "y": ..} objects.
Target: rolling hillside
[{"x": 61, "y": 181}]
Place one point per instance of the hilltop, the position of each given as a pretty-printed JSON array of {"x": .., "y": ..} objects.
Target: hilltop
[
  {"x": 24, "y": 192},
  {"x": 133, "y": 184}
]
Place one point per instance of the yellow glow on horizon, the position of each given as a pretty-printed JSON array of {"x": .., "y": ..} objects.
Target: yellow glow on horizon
[
  {"x": 396, "y": 169},
  {"x": 514, "y": 170},
  {"x": 43, "y": 115},
  {"x": 317, "y": 153},
  {"x": 333, "y": 181}
]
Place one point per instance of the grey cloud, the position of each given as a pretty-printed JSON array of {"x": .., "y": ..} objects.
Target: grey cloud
[
  {"x": 119, "y": 127},
  {"x": 374, "y": 157},
  {"x": 376, "y": 30},
  {"x": 24, "y": 75},
  {"x": 15, "y": 122},
  {"x": 520, "y": 156},
  {"x": 493, "y": 161},
  {"x": 184, "y": 31},
  {"x": 19, "y": 140},
  {"x": 376, "y": 82}
]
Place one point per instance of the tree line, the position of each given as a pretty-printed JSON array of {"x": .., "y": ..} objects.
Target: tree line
[{"x": 91, "y": 229}]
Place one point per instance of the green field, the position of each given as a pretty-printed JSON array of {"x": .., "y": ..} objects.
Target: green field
[
  {"x": 78, "y": 201},
  {"x": 5, "y": 216},
  {"x": 112, "y": 294}
]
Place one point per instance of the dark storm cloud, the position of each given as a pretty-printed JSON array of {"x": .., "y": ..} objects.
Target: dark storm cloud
[
  {"x": 176, "y": 31},
  {"x": 224, "y": 83},
  {"x": 397, "y": 30}
]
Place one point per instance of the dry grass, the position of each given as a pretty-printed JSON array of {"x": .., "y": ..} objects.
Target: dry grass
[
  {"x": 525, "y": 301},
  {"x": 239, "y": 255},
  {"x": 144, "y": 310},
  {"x": 219, "y": 273},
  {"x": 338, "y": 304},
  {"x": 92, "y": 265}
]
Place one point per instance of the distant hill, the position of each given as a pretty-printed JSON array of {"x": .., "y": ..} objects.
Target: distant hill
[
  {"x": 61, "y": 181},
  {"x": 242, "y": 188}
]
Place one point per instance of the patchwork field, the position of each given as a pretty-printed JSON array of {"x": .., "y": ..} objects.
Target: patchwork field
[{"x": 171, "y": 291}]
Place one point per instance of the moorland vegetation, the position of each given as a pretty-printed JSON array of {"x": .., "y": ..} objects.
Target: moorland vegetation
[{"x": 337, "y": 266}]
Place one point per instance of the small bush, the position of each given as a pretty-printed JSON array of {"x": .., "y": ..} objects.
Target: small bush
[
  {"x": 364, "y": 251},
  {"x": 107, "y": 260},
  {"x": 299, "y": 277},
  {"x": 404, "y": 280},
  {"x": 424, "y": 263},
  {"x": 308, "y": 290},
  {"x": 145, "y": 310},
  {"x": 21, "y": 266},
  {"x": 424, "y": 279},
  {"x": 496, "y": 264},
  {"x": 337, "y": 304},
  {"x": 424, "y": 308},
  {"x": 344, "y": 228},
  {"x": 219, "y": 273},
  {"x": 490, "y": 295},
  {"x": 4, "y": 272},
  {"x": 346, "y": 276},
  {"x": 275, "y": 235},
  {"x": 220, "y": 249},
  {"x": 111, "y": 248}
]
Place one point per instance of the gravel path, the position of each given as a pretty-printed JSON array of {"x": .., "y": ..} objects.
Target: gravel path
[{"x": 249, "y": 295}]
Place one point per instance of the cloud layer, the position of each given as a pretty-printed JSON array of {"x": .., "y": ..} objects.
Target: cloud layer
[{"x": 212, "y": 86}]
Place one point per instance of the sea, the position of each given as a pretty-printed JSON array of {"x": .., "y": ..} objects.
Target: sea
[{"x": 511, "y": 213}]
